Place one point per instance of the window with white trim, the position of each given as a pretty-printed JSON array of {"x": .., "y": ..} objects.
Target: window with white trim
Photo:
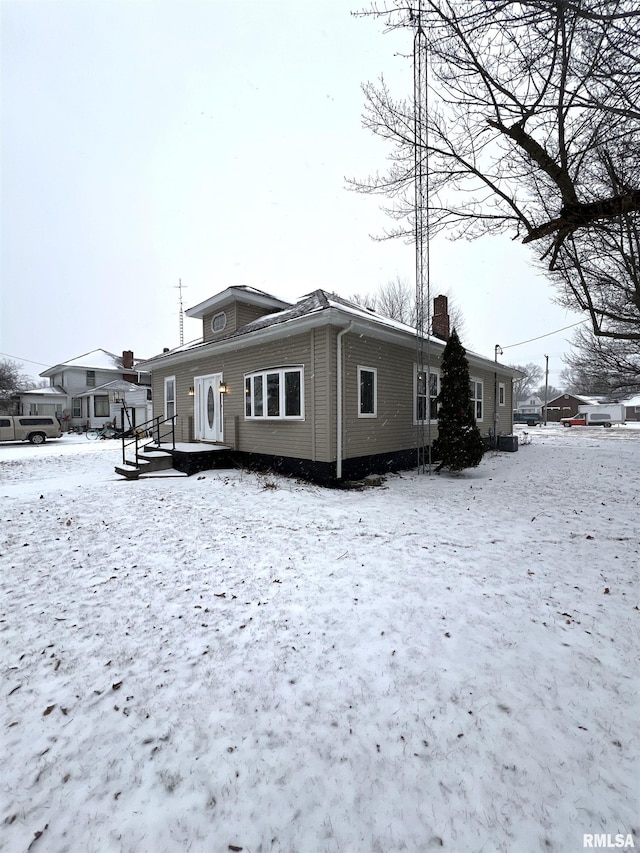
[
  {"x": 476, "y": 394},
  {"x": 501, "y": 394},
  {"x": 276, "y": 393},
  {"x": 101, "y": 405},
  {"x": 91, "y": 379},
  {"x": 367, "y": 392},
  {"x": 420, "y": 405},
  {"x": 169, "y": 396},
  {"x": 76, "y": 407}
]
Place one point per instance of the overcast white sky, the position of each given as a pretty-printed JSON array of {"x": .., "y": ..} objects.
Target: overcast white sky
[{"x": 147, "y": 141}]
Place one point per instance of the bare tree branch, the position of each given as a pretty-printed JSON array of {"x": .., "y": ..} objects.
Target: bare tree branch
[{"x": 532, "y": 130}]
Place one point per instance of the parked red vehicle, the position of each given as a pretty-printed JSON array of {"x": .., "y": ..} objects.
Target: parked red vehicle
[{"x": 583, "y": 420}]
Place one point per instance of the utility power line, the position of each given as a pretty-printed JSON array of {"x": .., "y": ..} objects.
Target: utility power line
[
  {"x": 17, "y": 358},
  {"x": 547, "y": 335}
]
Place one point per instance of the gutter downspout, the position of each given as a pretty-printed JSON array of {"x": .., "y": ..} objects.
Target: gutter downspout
[
  {"x": 495, "y": 411},
  {"x": 339, "y": 399},
  {"x": 497, "y": 350}
]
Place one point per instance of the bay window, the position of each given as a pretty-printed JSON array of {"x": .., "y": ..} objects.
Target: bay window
[{"x": 276, "y": 393}]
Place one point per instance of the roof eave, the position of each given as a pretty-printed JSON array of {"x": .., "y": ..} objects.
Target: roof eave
[
  {"x": 332, "y": 316},
  {"x": 309, "y": 321}
]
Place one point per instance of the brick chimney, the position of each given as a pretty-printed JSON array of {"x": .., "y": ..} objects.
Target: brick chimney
[
  {"x": 440, "y": 320},
  {"x": 127, "y": 365}
]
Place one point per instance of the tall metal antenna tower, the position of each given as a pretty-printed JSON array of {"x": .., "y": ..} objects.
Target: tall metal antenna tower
[
  {"x": 179, "y": 287},
  {"x": 424, "y": 377}
]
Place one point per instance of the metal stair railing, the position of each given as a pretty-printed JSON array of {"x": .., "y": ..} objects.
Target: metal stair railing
[{"x": 154, "y": 431}]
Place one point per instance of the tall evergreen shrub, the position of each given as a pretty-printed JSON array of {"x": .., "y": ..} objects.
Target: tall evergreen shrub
[{"x": 459, "y": 444}]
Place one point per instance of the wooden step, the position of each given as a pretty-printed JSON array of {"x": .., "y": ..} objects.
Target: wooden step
[
  {"x": 146, "y": 464},
  {"x": 155, "y": 462},
  {"x": 131, "y": 473},
  {"x": 149, "y": 465}
]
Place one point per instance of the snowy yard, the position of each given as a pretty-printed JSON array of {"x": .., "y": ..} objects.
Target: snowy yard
[{"x": 240, "y": 662}]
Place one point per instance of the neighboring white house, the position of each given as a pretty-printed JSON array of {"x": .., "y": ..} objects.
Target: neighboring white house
[
  {"x": 532, "y": 405},
  {"x": 632, "y": 407},
  {"x": 91, "y": 390}
]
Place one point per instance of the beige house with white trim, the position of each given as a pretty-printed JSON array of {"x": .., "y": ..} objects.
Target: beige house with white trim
[{"x": 321, "y": 388}]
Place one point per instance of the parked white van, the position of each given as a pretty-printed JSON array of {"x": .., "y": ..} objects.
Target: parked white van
[
  {"x": 34, "y": 428},
  {"x": 603, "y": 414}
]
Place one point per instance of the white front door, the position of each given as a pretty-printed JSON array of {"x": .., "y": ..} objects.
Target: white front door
[{"x": 208, "y": 408}]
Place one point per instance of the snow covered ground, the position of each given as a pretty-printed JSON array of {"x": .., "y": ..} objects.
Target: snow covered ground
[{"x": 232, "y": 661}]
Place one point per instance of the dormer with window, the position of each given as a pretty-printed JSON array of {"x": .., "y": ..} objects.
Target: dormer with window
[{"x": 232, "y": 309}]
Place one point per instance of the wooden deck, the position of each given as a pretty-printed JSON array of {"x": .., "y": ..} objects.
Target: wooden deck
[{"x": 185, "y": 459}]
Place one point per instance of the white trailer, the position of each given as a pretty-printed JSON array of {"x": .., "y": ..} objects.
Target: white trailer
[{"x": 603, "y": 415}]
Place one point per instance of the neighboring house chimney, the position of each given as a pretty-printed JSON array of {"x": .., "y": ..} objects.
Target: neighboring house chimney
[
  {"x": 440, "y": 319},
  {"x": 127, "y": 365}
]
